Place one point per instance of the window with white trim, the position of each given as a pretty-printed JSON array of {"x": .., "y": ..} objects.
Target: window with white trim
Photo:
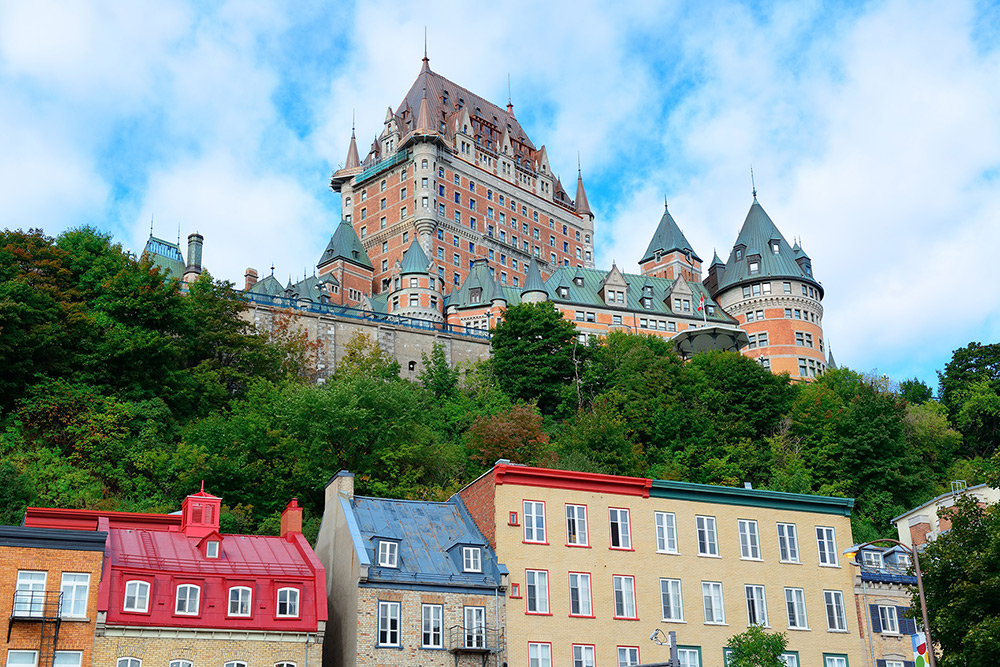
[
  {"x": 826, "y": 544},
  {"x": 834, "y": 661},
  {"x": 790, "y": 659},
  {"x": 576, "y": 525},
  {"x": 388, "y": 623},
  {"x": 749, "y": 542},
  {"x": 666, "y": 532},
  {"x": 288, "y": 603},
  {"x": 136, "y": 596},
  {"x": 432, "y": 626},
  {"x": 579, "y": 594},
  {"x": 795, "y": 606},
  {"x": 212, "y": 549},
  {"x": 235, "y": 663},
  {"x": 621, "y": 535},
  {"x": 671, "y": 602},
  {"x": 475, "y": 627},
  {"x": 689, "y": 657},
  {"x": 239, "y": 601},
  {"x": 388, "y": 553},
  {"x": 188, "y": 596},
  {"x": 708, "y": 544},
  {"x": 126, "y": 662},
  {"x": 836, "y": 619},
  {"x": 539, "y": 655},
  {"x": 624, "y": 587},
  {"x": 67, "y": 659},
  {"x": 536, "y": 583},
  {"x": 888, "y": 619},
  {"x": 180, "y": 663},
  {"x": 788, "y": 543},
  {"x": 22, "y": 658},
  {"x": 29, "y": 593},
  {"x": 583, "y": 655},
  {"x": 534, "y": 521},
  {"x": 472, "y": 559},
  {"x": 711, "y": 593},
  {"x": 756, "y": 605},
  {"x": 628, "y": 656},
  {"x": 75, "y": 587}
]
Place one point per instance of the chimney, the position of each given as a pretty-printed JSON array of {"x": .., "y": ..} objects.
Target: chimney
[
  {"x": 342, "y": 482},
  {"x": 291, "y": 518},
  {"x": 251, "y": 278},
  {"x": 195, "y": 242}
]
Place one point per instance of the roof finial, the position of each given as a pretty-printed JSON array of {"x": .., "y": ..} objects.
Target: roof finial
[
  {"x": 510, "y": 105},
  {"x": 579, "y": 170},
  {"x": 426, "y": 61},
  {"x": 150, "y": 225},
  {"x": 752, "y": 184},
  {"x": 272, "y": 269},
  {"x": 353, "y": 113},
  {"x": 203, "y": 486},
  {"x": 665, "y": 207},
  {"x": 178, "y": 234}
]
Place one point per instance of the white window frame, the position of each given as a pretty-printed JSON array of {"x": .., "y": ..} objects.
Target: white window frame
[
  {"x": 388, "y": 553},
  {"x": 671, "y": 600},
  {"x": 212, "y": 549},
  {"x": 22, "y": 654},
  {"x": 539, "y": 654},
  {"x": 579, "y": 586},
  {"x": 713, "y": 602},
  {"x": 67, "y": 658},
  {"x": 534, "y": 521},
  {"x": 749, "y": 539},
  {"x": 187, "y": 600},
  {"x": 474, "y": 625},
  {"x": 666, "y": 532},
  {"x": 181, "y": 663},
  {"x": 432, "y": 626},
  {"x": 577, "y": 533},
  {"x": 834, "y": 661},
  {"x": 28, "y": 582},
  {"x": 583, "y": 655},
  {"x": 240, "y": 590},
  {"x": 826, "y": 545},
  {"x": 388, "y": 616},
  {"x": 71, "y": 594},
  {"x": 887, "y": 612},
  {"x": 836, "y": 613},
  {"x": 628, "y": 656},
  {"x": 756, "y": 605},
  {"x": 472, "y": 559},
  {"x": 708, "y": 538},
  {"x": 291, "y": 602},
  {"x": 621, "y": 530},
  {"x": 795, "y": 609},
  {"x": 624, "y": 588},
  {"x": 872, "y": 559},
  {"x": 144, "y": 597},
  {"x": 689, "y": 657},
  {"x": 788, "y": 543},
  {"x": 129, "y": 662},
  {"x": 791, "y": 659},
  {"x": 235, "y": 663},
  {"x": 536, "y": 591}
]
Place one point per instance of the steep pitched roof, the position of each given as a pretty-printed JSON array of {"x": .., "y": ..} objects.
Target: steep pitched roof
[
  {"x": 534, "y": 282},
  {"x": 667, "y": 238},
  {"x": 345, "y": 244},
  {"x": 352, "y": 154},
  {"x": 489, "y": 288},
  {"x": 582, "y": 206},
  {"x": 269, "y": 286},
  {"x": 756, "y": 238},
  {"x": 414, "y": 260},
  {"x": 165, "y": 255}
]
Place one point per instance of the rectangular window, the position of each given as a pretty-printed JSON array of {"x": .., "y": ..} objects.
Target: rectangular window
[
  {"x": 670, "y": 600},
  {"x": 795, "y": 605},
  {"x": 536, "y": 584},
  {"x": 239, "y": 601},
  {"x": 711, "y": 593},
  {"x": 834, "y": 660},
  {"x": 689, "y": 657},
  {"x": 583, "y": 655},
  {"x": 756, "y": 605},
  {"x": 749, "y": 543},
  {"x": 475, "y": 627},
  {"x": 707, "y": 542},
  {"x": 787, "y": 287},
  {"x": 628, "y": 656},
  {"x": 388, "y": 554},
  {"x": 788, "y": 543},
  {"x": 666, "y": 532},
  {"x": 539, "y": 655},
  {"x": 472, "y": 559},
  {"x": 621, "y": 536},
  {"x": 29, "y": 593},
  {"x": 534, "y": 521},
  {"x": 579, "y": 594},
  {"x": 826, "y": 543},
  {"x": 790, "y": 659},
  {"x": 624, "y": 597},
  {"x": 576, "y": 522},
  {"x": 21, "y": 658},
  {"x": 431, "y": 626},
  {"x": 388, "y": 623},
  {"x": 836, "y": 621},
  {"x": 69, "y": 659},
  {"x": 288, "y": 602},
  {"x": 888, "y": 620},
  {"x": 75, "y": 588}
]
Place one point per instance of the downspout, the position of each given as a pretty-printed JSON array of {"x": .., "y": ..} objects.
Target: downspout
[
  {"x": 864, "y": 593},
  {"x": 496, "y": 617},
  {"x": 307, "y": 650}
]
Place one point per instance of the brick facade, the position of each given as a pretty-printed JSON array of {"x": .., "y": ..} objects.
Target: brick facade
[
  {"x": 479, "y": 498},
  {"x": 158, "y": 651}
]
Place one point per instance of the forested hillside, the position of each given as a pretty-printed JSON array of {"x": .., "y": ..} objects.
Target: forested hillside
[{"x": 117, "y": 391}]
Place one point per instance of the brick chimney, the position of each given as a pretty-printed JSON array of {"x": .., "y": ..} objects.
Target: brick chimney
[
  {"x": 291, "y": 518},
  {"x": 251, "y": 278}
]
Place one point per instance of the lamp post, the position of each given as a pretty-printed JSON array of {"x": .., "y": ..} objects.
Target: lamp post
[
  {"x": 853, "y": 551},
  {"x": 671, "y": 641}
]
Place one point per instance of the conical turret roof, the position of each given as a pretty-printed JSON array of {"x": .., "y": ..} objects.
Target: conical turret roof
[
  {"x": 345, "y": 244},
  {"x": 353, "y": 162},
  {"x": 759, "y": 237},
  {"x": 534, "y": 282},
  {"x": 582, "y": 206},
  {"x": 715, "y": 259},
  {"x": 667, "y": 238},
  {"x": 414, "y": 260}
]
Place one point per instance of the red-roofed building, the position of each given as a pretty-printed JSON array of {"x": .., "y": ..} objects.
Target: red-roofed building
[{"x": 176, "y": 592}]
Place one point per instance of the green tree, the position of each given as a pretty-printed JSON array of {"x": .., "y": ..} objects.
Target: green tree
[
  {"x": 915, "y": 391},
  {"x": 534, "y": 354},
  {"x": 515, "y": 434},
  {"x": 437, "y": 376},
  {"x": 757, "y": 648},
  {"x": 969, "y": 387},
  {"x": 364, "y": 357},
  {"x": 961, "y": 576}
]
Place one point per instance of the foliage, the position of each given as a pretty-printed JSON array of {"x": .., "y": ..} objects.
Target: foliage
[
  {"x": 915, "y": 391},
  {"x": 757, "y": 648},
  {"x": 437, "y": 376},
  {"x": 364, "y": 357},
  {"x": 969, "y": 387},
  {"x": 515, "y": 434},
  {"x": 961, "y": 577}
]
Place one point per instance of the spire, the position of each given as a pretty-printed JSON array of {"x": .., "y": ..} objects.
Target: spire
[
  {"x": 715, "y": 258},
  {"x": 352, "y": 152},
  {"x": 582, "y": 206},
  {"x": 831, "y": 365},
  {"x": 510, "y": 105},
  {"x": 534, "y": 282},
  {"x": 426, "y": 67},
  {"x": 668, "y": 237},
  {"x": 424, "y": 116},
  {"x": 752, "y": 184}
]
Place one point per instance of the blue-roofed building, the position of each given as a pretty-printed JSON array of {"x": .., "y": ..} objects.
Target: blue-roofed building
[
  {"x": 409, "y": 582},
  {"x": 882, "y": 583}
]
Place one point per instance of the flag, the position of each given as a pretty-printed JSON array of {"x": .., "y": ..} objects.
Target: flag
[
  {"x": 701, "y": 303},
  {"x": 919, "y": 649}
]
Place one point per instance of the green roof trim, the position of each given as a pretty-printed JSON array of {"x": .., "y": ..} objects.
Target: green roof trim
[{"x": 729, "y": 495}]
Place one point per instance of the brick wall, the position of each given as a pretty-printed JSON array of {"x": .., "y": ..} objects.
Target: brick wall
[
  {"x": 479, "y": 500},
  {"x": 918, "y": 533},
  {"x": 159, "y": 651}
]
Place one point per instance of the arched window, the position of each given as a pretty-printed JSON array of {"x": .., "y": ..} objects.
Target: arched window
[
  {"x": 235, "y": 663},
  {"x": 239, "y": 601},
  {"x": 181, "y": 663},
  {"x": 136, "y": 596},
  {"x": 188, "y": 596},
  {"x": 288, "y": 602},
  {"x": 129, "y": 662}
]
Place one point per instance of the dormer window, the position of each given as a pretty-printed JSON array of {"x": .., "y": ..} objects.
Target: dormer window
[
  {"x": 754, "y": 267},
  {"x": 388, "y": 553},
  {"x": 739, "y": 254},
  {"x": 578, "y": 281},
  {"x": 472, "y": 559},
  {"x": 475, "y": 295},
  {"x": 775, "y": 247},
  {"x": 212, "y": 549},
  {"x": 188, "y": 596},
  {"x": 563, "y": 292}
]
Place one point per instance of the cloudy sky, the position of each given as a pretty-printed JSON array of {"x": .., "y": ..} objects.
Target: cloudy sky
[{"x": 873, "y": 130}]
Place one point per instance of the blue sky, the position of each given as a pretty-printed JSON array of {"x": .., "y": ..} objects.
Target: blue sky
[{"x": 873, "y": 130}]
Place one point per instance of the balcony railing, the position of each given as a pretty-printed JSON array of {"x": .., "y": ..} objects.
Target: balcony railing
[
  {"x": 887, "y": 574},
  {"x": 36, "y": 605},
  {"x": 474, "y": 639}
]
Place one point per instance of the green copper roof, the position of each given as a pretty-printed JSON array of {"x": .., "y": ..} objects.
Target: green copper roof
[
  {"x": 534, "y": 282},
  {"x": 479, "y": 278},
  {"x": 166, "y": 256},
  {"x": 345, "y": 244},
  {"x": 414, "y": 260},
  {"x": 757, "y": 238},
  {"x": 728, "y": 495},
  {"x": 270, "y": 286},
  {"x": 667, "y": 238},
  {"x": 715, "y": 259}
]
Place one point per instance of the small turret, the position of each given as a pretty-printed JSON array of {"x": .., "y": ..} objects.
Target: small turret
[
  {"x": 534, "y": 287},
  {"x": 582, "y": 206},
  {"x": 193, "y": 268}
]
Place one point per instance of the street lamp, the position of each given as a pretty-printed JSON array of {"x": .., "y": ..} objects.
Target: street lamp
[{"x": 853, "y": 551}]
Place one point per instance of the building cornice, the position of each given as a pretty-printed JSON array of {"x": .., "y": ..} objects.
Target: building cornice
[
  {"x": 728, "y": 495},
  {"x": 570, "y": 480}
]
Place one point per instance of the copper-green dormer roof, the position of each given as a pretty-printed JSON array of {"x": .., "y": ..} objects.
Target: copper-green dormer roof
[
  {"x": 667, "y": 238},
  {"x": 269, "y": 286},
  {"x": 414, "y": 260},
  {"x": 534, "y": 282},
  {"x": 166, "y": 256},
  {"x": 345, "y": 244},
  {"x": 756, "y": 239},
  {"x": 715, "y": 259}
]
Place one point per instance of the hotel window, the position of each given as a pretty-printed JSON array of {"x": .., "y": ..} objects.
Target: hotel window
[
  {"x": 621, "y": 535},
  {"x": 388, "y": 553},
  {"x": 472, "y": 559},
  {"x": 288, "y": 602},
  {"x": 666, "y": 532},
  {"x": 754, "y": 268},
  {"x": 74, "y": 588},
  {"x": 711, "y": 593},
  {"x": 791, "y": 659},
  {"x": 388, "y": 623},
  {"x": 187, "y": 600},
  {"x": 381, "y": 204},
  {"x": 579, "y": 594},
  {"x": 136, "y": 596},
  {"x": 616, "y": 319},
  {"x": 624, "y": 597},
  {"x": 836, "y": 620},
  {"x": 749, "y": 542},
  {"x": 239, "y": 601},
  {"x": 188, "y": 663},
  {"x": 539, "y": 655},
  {"x": 432, "y": 626},
  {"x": 826, "y": 543},
  {"x": 536, "y": 585},
  {"x": 800, "y": 338},
  {"x": 670, "y": 600},
  {"x": 756, "y": 605},
  {"x": 385, "y": 265},
  {"x": 762, "y": 338},
  {"x": 583, "y": 655},
  {"x": 628, "y": 656},
  {"x": 591, "y": 317},
  {"x": 707, "y": 542},
  {"x": 750, "y": 316},
  {"x": 795, "y": 605},
  {"x": 576, "y": 515},
  {"x": 788, "y": 543},
  {"x": 756, "y": 289},
  {"x": 765, "y": 288}
]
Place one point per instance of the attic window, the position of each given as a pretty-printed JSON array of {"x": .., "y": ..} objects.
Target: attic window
[
  {"x": 212, "y": 549},
  {"x": 578, "y": 281},
  {"x": 754, "y": 268},
  {"x": 739, "y": 254},
  {"x": 475, "y": 295},
  {"x": 775, "y": 247},
  {"x": 563, "y": 292},
  {"x": 472, "y": 559},
  {"x": 388, "y": 553}
]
